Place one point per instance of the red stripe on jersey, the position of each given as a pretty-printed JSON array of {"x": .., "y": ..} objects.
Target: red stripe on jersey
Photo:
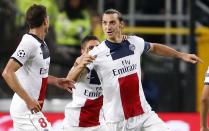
[
  {"x": 89, "y": 115},
  {"x": 43, "y": 90},
  {"x": 129, "y": 92}
]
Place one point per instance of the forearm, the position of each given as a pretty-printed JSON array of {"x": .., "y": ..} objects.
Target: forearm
[
  {"x": 164, "y": 50},
  {"x": 52, "y": 80},
  {"x": 14, "y": 84},
  {"x": 75, "y": 72}
]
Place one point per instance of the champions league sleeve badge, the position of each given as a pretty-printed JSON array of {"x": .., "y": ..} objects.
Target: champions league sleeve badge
[
  {"x": 132, "y": 47},
  {"x": 21, "y": 53}
]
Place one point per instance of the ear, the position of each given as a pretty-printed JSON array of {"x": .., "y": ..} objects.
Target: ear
[
  {"x": 46, "y": 21},
  {"x": 122, "y": 24}
]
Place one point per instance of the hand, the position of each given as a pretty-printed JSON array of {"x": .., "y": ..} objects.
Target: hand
[
  {"x": 85, "y": 59},
  {"x": 204, "y": 129},
  {"x": 78, "y": 61},
  {"x": 65, "y": 84},
  {"x": 192, "y": 58},
  {"x": 34, "y": 106},
  {"x": 125, "y": 37}
]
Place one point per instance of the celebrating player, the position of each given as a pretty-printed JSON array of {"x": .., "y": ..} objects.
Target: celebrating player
[
  {"x": 27, "y": 74},
  {"x": 119, "y": 69},
  {"x": 84, "y": 113}
]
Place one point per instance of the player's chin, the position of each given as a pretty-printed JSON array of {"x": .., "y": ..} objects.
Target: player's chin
[{"x": 110, "y": 36}]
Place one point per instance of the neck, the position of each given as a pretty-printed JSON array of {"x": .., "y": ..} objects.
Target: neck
[
  {"x": 116, "y": 39},
  {"x": 38, "y": 32}
]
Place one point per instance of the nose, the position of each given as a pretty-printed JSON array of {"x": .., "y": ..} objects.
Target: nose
[{"x": 108, "y": 27}]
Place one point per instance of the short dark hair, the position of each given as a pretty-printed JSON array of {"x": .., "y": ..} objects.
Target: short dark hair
[
  {"x": 35, "y": 15},
  {"x": 87, "y": 39},
  {"x": 114, "y": 11}
]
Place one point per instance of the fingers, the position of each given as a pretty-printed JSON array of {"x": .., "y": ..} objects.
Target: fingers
[
  {"x": 88, "y": 59},
  {"x": 195, "y": 59},
  {"x": 36, "y": 107},
  {"x": 66, "y": 84},
  {"x": 69, "y": 90},
  {"x": 200, "y": 60},
  {"x": 39, "y": 104},
  {"x": 70, "y": 85},
  {"x": 125, "y": 37},
  {"x": 192, "y": 58}
]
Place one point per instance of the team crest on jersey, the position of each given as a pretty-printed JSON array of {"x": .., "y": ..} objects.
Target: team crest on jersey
[
  {"x": 21, "y": 53},
  {"x": 132, "y": 47}
]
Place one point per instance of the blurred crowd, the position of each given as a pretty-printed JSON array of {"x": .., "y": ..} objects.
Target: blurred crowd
[{"x": 70, "y": 21}]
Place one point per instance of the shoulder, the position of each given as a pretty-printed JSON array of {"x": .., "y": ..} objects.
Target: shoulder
[
  {"x": 29, "y": 41},
  {"x": 100, "y": 49},
  {"x": 134, "y": 39}
]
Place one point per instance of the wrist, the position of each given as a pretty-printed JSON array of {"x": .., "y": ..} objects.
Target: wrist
[
  {"x": 180, "y": 55},
  {"x": 81, "y": 66},
  {"x": 28, "y": 100}
]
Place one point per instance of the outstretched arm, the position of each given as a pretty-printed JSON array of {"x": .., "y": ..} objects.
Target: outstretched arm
[
  {"x": 63, "y": 83},
  {"x": 204, "y": 108},
  {"x": 164, "y": 50}
]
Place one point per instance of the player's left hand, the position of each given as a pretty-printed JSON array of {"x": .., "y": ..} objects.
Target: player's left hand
[
  {"x": 125, "y": 37},
  {"x": 192, "y": 58},
  {"x": 65, "y": 84}
]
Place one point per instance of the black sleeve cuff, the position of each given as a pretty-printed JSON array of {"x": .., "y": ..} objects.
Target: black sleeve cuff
[{"x": 17, "y": 61}]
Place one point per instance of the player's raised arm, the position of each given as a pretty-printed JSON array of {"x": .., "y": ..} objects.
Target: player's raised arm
[
  {"x": 80, "y": 66},
  {"x": 11, "y": 79},
  {"x": 164, "y": 50},
  {"x": 87, "y": 44}
]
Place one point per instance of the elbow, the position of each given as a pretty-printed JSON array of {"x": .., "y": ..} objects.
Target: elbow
[
  {"x": 5, "y": 74},
  {"x": 155, "y": 48}
]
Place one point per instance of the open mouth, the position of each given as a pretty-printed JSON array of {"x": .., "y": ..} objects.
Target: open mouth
[{"x": 109, "y": 33}]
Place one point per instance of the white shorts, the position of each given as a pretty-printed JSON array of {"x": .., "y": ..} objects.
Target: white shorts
[
  {"x": 146, "y": 122},
  {"x": 31, "y": 122},
  {"x": 73, "y": 128}
]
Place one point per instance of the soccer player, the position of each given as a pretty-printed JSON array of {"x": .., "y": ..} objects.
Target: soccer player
[
  {"x": 27, "y": 74},
  {"x": 84, "y": 113},
  {"x": 118, "y": 67},
  {"x": 205, "y": 104}
]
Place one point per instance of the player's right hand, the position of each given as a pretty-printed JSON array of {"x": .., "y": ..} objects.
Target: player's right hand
[
  {"x": 86, "y": 59},
  {"x": 34, "y": 105}
]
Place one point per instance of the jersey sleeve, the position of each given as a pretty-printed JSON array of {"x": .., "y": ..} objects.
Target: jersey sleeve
[
  {"x": 141, "y": 45},
  {"x": 23, "y": 52},
  {"x": 206, "y": 82},
  {"x": 93, "y": 52},
  {"x": 146, "y": 46}
]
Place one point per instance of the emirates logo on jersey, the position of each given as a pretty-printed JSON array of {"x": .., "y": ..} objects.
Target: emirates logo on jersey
[
  {"x": 21, "y": 53},
  {"x": 127, "y": 67},
  {"x": 43, "y": 71}
]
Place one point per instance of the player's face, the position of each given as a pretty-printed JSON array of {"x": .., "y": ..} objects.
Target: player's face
[
  {"x": 111, "y": 26},
  {"x": 89, "y": 46}
]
